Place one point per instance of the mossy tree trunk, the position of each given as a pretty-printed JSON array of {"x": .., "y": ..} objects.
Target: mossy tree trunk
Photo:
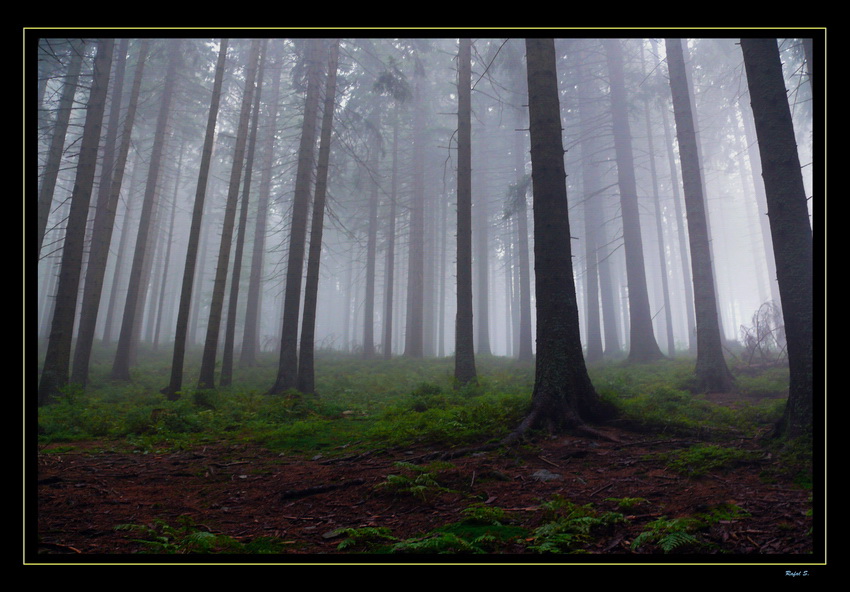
[{"x": 563, "y": 395}]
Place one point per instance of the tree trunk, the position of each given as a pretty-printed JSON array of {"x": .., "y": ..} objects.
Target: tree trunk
[
  {"x": 389, "y": 268},
  {"x": 790, "y": 227},
  {"x": 414, "y": 339},
  {"x": 250, "y": 337},
  {"x": 481, "y": 237},
  {"x": 591, "y": 185},
  {"x": 104, "y": 221},
  {"x": 680, "y": 225},
  {"x": 287, "y": 374},
  {"x": 371, "y": 243},
  {"x": 57, "y": 141},
  {"x": 464, "y": 347},
  {"x": 306, "y": 369},
  {"x": 182, "y": 326},
  {"x": 207, "y": 373},
  {"x": 642, "y": 344},
  {"x": 121, "y": 364},
  {"x": 230, "y": 329},
  {"x": 659, "y": 228},
  {"x": 160, "y": 312},
  {"x": 563, "y": 395},
  {"x": 711, "y": 371},
  {"x": 54, "y": 375}
]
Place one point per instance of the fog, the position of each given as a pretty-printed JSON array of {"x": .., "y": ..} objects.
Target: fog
[{"x": 391, "y": 189}]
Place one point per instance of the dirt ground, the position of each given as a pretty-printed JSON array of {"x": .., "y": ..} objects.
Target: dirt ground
[{"x": 246, "y": 492}]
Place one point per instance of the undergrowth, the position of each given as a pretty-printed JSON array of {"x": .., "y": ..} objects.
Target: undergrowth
[{"x": 375, "y": 403}]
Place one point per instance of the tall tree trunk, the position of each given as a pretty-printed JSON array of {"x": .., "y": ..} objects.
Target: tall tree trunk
[
  {"x": 306, "y": 370},
  {"x": 465, "y": 372},
  {"x": 481, "y": 238},
  {"x": 104, "y": 221},
  {"x": 57, "y": 141},
  {"x": 563, "y": 395},
  {"x": 175, "y": 385},
  {"x": 414, "y": 335},
  {"x": 54, "y": 374},
  {"x": 160, "y": 313},
  {"x": 642, "y": 344},
  {"x": 121, "y": 256},
  {"x": 525, "y": 351},
  {"x": 789, "y": 225},
  {"x": 680, "y": 224},
  {"x": 389, "y": 267},
  {"x": 591, "y": 185},
  {"x": 659, "y": 228},
  {"x": 206, "y": 378},
  {"x": 250, "y": 337},
  {"x": 230, "y": 329},
  {"x": 711, "y": 371},
  {"x": 121, "y": 364},
  {"x": 371, "y": 243},
  {"x": 287, "y": 373}
]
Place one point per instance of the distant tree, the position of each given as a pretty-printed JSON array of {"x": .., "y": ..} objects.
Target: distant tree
[
  {"x": 679, "y": 217},
  {"x": 250, "y": 336},
  {"x": 711, "y": 371},
  {"x": 663, "y": 268},
  {"x": 790, "y": 227},
  {"x": 108, "y": 196},
  {"x": 54, "y": 375},
  {"x": 306, "y": 369},
  {"x": 642, "y": 344},
  {"x": 374, "y": 148},
  {"x": 563, "y": 395},
  {"x": 287, "y": 373},
  {"x": 591, "y": 176},
  {"x": 129, "y": 323},
  {"x": 206, "y": 378},
  {"x": 465, "y": 372},
  {"x": 236, "y": 276},
  {"x": 175, "y": 385},
  {"x": 57, "y": 140},
  {"x": 414, "y": 334}
]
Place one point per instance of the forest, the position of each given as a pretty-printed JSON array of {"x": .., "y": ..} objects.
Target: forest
[{"x": 307, "y": 298}]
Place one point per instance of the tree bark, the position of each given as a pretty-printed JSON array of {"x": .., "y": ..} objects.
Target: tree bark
[
  {"x": 306, "y": 368},
  {"x": 414, "y": 334},
  {"x": 563, "y": 395},
  {"x": 175, "y": 385},
  {"x": 790, "y": 227},
  {"x": 389, "y": 267},
  {"x": 103, "y": 227},
  {"x": 250, "y": 337},
  {"x": 121, "y": 364},
  {"x": 591, "y": 185},
  {"x": 207, "y": 373},
  {"x": 642, "y": 344},
  {"x": 465, "y": 372},
  {"x": 54, "y": 374},
  {"x": 236, "y": 276},
  {"x": 711, "y": 371},
  {"x": 287, "y": 374}
]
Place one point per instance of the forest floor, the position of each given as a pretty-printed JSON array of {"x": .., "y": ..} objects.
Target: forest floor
[{"x": 246, "y": 492}]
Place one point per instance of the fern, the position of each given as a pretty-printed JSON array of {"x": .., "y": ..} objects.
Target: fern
[{"x": 669, "y": 535}]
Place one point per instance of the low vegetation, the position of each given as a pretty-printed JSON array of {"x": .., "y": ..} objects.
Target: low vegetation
[
  {"x": 384, "y": 403},
  {"x": 367, "y": 406}
]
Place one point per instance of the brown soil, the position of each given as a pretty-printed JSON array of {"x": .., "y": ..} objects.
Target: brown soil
[{"x": 245, "y": 492}]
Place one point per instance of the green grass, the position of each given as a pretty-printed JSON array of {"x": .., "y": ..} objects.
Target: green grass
[{"x": 368, "y": 404}]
